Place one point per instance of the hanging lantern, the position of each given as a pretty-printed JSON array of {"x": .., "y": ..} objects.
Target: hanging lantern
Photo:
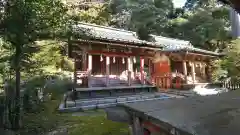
[
  {"x": 134, "y": 60},
  {"x": 114, "y": 60},
  {"x": 101, "y": 58},
  {"x": 123, "y": 60}
]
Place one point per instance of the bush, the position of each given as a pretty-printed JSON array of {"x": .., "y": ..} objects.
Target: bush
[
  {"x": 40, "y": 88},
  {"x": 57, "y": 88},
  {"x": 43, "y": 121},
  {"x": 1, "y": 110}
]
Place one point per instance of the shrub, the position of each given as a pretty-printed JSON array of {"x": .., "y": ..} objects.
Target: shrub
[{"x": 40, "y": 88}]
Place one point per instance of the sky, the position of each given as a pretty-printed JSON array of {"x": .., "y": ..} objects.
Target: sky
[{"x": 179, "y": 3}]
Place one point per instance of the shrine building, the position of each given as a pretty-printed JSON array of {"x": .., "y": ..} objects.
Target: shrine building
[{"x": 109, "y": 57}]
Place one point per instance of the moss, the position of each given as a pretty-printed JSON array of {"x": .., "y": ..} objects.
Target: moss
[
  {"x": 48, "y": 119},
  {"x": 98, "y": 125}
]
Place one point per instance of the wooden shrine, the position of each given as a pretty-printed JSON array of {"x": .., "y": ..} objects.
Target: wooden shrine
[{"x": 113, "y": 57}]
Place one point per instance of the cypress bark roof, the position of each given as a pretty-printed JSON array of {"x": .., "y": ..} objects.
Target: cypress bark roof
[{"x": 119, "y": 35}]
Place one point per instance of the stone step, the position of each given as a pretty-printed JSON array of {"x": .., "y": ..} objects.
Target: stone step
[
  {"x": 111, "y": 101},
  {"x": 106, "y": 105},
  {"x": 114, "y": 92}
]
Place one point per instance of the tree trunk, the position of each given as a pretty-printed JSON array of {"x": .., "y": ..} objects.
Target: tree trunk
[{"x": 17, "y": 108}]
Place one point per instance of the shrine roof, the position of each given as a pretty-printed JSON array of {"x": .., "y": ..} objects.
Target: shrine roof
[
  {"x": 194, "y": 50},
  {"x": 119, "y": 35}
]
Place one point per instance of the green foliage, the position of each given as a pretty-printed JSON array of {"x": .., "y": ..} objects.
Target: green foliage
[
  {"x": 208, "y": 29},
  {"x": 206, "y": 26},
  {"x": 142, "y": 16},
  {"x": 194, "y": 4},
  {"x": 232, "y": 62},
  {"x": 52, "y": 53},
  {"x": 54, "y": 88},
  {"x": 57, "y": 88},
  {"x": 48, "y": 119},
  {"x": 229, "y": 66},
  {"x": 45, "y": 120},
  {"x": 22, "y": 23},
  {"x": 5, "y": 56},
  {"x": 27, "y": 22},
  {"x": 96, "y": 14},
  {"x": 98, "y": 125},
  {"x": 219, "y": 73},
  {"x": 93, "y": 13}
]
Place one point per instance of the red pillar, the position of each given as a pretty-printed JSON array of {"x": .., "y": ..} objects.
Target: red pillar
[
  {"x": 89, "y": 69},
  {"x": 107, "y": 70},
  {"x": 75, "y": 72},
  {"x": 142, "y": 69},
  {"x": 150, "y": 69}
]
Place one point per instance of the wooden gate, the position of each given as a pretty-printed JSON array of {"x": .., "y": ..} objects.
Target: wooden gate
[
  {"x": 163, "y": 82},
  {"x": 166, "y": 82}
]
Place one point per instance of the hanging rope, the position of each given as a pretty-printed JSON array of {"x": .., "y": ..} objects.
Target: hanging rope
[
  {"x": 101, "y": 58},
  {"x": 123, "y": 60},
  {"x": 134, "y": 60},
  {"x": 102, "y": 66},
  {"x": 114, "y": 60}
]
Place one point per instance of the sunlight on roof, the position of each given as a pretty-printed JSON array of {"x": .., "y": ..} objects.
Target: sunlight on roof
[{"x": 179, "y": 3}]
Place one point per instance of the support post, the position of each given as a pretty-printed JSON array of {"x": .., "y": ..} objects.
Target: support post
[
  {"x": 84, "y": 61},
  {"x": 204, "y": 71},
  {"x": 75, "y": 73},
  {"x": 150, "y": 69},
  {"x": 185, "y": 70},
  {"x": 193, "y": 72},
  {"x": 142, "y": 69},
  {"x": 107, "y": 70},
  {"x": 129, "y": 70},
  {"x": 137, "y": 128},
  {"x": 89, "y": 70}
]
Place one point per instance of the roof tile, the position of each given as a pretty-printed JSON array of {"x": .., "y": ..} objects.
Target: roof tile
[{"x": 113, "y": 34}]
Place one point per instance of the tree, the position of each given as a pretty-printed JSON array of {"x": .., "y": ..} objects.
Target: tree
[
  {"x": 95, "y": 13},
  {"x": 22, "y": 23},
  {"x": 204, "y": 23},
  {"x": 204, "y": 28},
  {"x": 195, "y": 4},
  {"x": 233, "y": 3},
  {"x": 6, "y": 53},
  {"x": 229, "y": 66},
  {"x": 142, "y": 16},
  {"x": 51, "y": 57}
]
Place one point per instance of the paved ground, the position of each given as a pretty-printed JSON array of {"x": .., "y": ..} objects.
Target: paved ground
[{"x": 208, "y": 115}]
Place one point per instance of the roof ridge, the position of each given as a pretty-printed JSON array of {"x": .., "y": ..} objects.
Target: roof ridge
[
  {"x": 107, "y": 27},
  {"x": 170, "y": 38},
  {"x": 132, "y": 32}
]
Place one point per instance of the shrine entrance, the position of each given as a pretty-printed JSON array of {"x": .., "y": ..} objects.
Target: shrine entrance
[{"x": 161, "y": 71}]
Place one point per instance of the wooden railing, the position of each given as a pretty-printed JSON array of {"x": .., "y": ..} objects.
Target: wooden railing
[
  {"x": 169, "y": 81},
  {"x": 81, "y": 76},
  {"x": 164, "y": 82},
  {"x": 231, "y": 85}
]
